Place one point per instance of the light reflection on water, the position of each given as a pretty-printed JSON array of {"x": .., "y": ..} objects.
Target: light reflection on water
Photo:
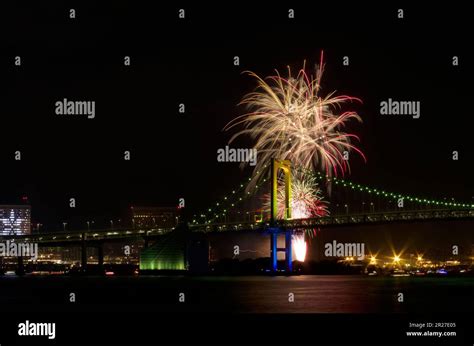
[{"x": 252, "y": 294}]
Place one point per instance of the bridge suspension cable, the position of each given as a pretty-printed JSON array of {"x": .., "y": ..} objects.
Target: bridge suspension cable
[
  {"x": 385, "y": 194},
  {"x": 222, "y": 207}
]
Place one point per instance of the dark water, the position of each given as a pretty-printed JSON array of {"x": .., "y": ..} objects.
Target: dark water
[{"x": 248, "y": 294}]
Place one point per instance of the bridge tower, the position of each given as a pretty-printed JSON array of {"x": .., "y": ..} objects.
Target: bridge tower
[{"x": 285, "y": 166}]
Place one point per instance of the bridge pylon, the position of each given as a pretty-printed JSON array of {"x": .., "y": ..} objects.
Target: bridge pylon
[{"x": 285, "y": 166}]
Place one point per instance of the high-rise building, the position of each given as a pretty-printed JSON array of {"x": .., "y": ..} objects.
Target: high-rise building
[{"x": 15, "y": 219}]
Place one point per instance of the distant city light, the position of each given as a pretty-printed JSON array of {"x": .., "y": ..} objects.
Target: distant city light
[{"x": 15, "y": 219}]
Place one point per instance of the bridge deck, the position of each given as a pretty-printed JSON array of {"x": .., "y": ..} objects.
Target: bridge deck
[
  {"x": 336, "y": 220},
  {"x": 340, "y": 220}
]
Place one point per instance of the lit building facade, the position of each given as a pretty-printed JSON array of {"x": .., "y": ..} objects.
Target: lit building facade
[
  {"x": 15, "y": 219},
  {"x": 154, "y": 217}
]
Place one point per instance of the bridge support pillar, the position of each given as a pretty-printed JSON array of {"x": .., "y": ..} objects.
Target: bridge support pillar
[
  {"x": 274, "y": 249},
  {"x": 83, "y": 253},
  {"x": 288, "y": 251}
]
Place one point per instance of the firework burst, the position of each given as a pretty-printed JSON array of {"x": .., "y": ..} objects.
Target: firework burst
[
  {"x": 290, "y": 120},
  {"x": 299, "y": 247},
  {"x": 306, "y": 198}
]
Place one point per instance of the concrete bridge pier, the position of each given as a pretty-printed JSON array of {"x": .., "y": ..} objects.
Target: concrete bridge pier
[
  {"x": 288, "y": 251},
  {"x": 274, "y": 249}
]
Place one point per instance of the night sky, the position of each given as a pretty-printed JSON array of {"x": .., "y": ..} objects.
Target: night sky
[{"x": 190, "y": 61}]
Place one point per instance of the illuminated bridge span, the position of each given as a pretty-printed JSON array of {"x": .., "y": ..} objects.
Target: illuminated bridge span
[
  {"x": 70, "y": 237},
  {"x": 341, "y": 220},
  {"x": 343, "y": 198},
  {"x": 107, "y": 235},
  {"x": 87, "y": 239},
  {"x": 348, "y": 204}
]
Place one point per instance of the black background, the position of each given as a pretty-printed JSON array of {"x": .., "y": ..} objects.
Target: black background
[{"x": 133, "y": 327}]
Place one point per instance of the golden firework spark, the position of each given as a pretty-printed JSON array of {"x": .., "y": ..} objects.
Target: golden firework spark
[{"x": 290, "y": 120}]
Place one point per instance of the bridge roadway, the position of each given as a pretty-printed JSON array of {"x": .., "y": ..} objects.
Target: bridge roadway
[
  {"x": 65, "y": 238},
  {"x": 342, "y": 220}
]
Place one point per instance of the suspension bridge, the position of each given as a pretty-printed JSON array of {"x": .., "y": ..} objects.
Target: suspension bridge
[{"x": 351, "y": 204}]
